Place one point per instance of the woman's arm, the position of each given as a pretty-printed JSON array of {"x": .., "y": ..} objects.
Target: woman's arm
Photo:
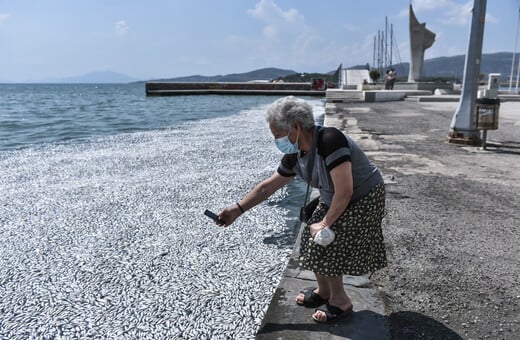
[
  {"x": 259, "y": 193},
  {"x": 343, "y": 187}
]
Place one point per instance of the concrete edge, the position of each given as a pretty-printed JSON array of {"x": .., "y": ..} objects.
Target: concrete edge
[{"x": 284, "y": 319}]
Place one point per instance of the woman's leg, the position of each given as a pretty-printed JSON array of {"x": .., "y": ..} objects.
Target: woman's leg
[
  {"x": 338, "y": 296},
  {"x": 323, "y": 289}
]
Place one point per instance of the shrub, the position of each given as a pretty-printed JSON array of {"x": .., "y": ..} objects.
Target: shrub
[{"x": 374, "y": 74}]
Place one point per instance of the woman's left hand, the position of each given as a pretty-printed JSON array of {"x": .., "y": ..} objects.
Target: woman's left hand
[{"x": 315, "y": 227}]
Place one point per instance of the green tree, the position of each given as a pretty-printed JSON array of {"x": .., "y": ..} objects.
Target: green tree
[{"x": 374, "y": 74}]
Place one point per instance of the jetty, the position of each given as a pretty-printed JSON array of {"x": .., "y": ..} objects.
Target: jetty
[
  {"x": 156, "y": 88},
  {"x": 317, "y": 88}
]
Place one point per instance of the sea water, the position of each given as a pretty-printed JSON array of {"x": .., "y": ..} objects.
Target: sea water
[
  {"x": 101, "y": 213},
  {"x": 34, "y": 114}
]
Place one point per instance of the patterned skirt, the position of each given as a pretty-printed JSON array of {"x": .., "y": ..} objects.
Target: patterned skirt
[{"x": 358, "y": 247}]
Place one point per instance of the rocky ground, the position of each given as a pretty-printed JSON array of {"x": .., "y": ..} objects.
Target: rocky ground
[{"x": 452, "y": 222}]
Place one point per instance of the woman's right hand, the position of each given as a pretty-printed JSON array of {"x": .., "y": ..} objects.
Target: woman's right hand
[
  {"x": 229, "y": 214},
  {"x": 315, "y": 227},
  {"x": 259, "y": 193}
]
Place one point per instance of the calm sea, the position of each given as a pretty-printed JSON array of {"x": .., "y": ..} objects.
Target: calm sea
[{"x": 36, "y": 114}]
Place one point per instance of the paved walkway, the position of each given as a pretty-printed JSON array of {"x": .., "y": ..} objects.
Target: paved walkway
[{"x": 286, "y": 320}]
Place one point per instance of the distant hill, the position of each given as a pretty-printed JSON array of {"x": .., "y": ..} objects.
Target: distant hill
[
  {"x": 98, "y": 77},
  {"x": 453, "y": 67},
  {"x": 260, "y": 74}
]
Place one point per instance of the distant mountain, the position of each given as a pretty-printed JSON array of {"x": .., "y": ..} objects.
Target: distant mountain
[
  {"x": 260, "y": 74},
  {"x": 453, "y": 67},
  {"x": 442, "y": 67},
  {"x": 97, "y": 77}
]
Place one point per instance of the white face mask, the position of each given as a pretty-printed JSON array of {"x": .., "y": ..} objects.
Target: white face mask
[{"x": 284, "y": 144}]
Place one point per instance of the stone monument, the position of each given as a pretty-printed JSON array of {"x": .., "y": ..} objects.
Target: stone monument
[
  {"x": 420, "y": 39},
  {"x": 357, "y": 78}
]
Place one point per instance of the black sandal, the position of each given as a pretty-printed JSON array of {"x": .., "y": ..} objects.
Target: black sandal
[
  {"x": 311, "y": 299},
  {"x": 332, "y": 313}
]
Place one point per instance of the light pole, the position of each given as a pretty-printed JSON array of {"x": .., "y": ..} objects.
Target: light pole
[{"x": 462, "y": 127}]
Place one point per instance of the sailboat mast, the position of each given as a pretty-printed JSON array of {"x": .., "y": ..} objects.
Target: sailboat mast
[
  {"x": 391, "y": 42},
  {"x": 386, "y": 42},
  {"x": 514, "y": 54},
  {"x": 374, "y": 54}
]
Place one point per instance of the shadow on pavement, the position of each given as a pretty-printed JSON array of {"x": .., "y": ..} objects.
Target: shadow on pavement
[
  {"x": 512, "y": 148},
  {"x": 363, "y": 325},
  {"x": 412, "y": 325},
  {"x": 358, "y": 325}
]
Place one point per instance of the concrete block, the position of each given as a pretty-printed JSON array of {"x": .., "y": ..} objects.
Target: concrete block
[
  {"x": 383, "y": 96},
  {"x": 341, "y": 96}
]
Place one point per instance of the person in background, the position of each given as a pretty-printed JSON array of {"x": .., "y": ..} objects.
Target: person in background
[
  {"x": 393, "y": 74},
  {"x": 388, "y": 80},
  {"x": 352, "y": 204}
]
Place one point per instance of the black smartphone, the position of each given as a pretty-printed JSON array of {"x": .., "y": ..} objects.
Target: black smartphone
[{"x": 214, "y": 217}]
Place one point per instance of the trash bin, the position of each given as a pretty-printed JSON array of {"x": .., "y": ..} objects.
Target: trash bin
[
  {"x": 486, "y": 116},
  {"x": 486, "y": 113}
]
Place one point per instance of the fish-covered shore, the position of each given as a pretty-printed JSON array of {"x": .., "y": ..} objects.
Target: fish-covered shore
[{"x": 107, "y": 238}]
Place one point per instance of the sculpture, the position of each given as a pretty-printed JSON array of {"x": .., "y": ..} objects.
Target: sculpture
[{"x": 420, "y": 39}]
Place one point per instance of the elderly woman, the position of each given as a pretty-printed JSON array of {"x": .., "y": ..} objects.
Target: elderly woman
[{"x": 352, "y": 201}]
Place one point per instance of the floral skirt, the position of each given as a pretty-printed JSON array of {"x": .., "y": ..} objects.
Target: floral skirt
[{"x": 358, "y": 247}]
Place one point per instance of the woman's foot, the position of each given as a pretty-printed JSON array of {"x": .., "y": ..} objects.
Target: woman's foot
[
  {"x": 332, "y": 311},
  {"x": 310, "y": 298}
]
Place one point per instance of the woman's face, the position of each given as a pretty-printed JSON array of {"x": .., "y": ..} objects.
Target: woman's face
[{"x": 278, "y": 133}]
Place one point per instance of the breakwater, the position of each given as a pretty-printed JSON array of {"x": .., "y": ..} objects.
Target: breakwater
[{"x": 235, "y": 88}]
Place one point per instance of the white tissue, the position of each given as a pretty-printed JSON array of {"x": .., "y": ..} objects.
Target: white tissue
[{"x": 324, "y": 237}]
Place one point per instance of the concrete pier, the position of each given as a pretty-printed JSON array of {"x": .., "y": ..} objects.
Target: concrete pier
[{"x": 238, "y": 88}]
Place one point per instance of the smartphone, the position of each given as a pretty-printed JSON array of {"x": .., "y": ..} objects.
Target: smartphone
[{"x": 214, "y": 217}]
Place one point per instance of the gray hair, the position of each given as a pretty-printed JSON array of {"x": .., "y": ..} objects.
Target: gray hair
[{"x": 283, "y": 112}]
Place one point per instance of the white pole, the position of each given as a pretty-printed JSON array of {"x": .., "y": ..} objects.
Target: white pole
[
  {"x": 382, "y": 52},
  {"x": 391, "y": 43},
  {"x": 379, "y": 38},
  {"x": 386, "y": 42},
  {"x": 517, "y": 75},
  {"x": 514, "y": 53},
  {"x": 462, "y": 127},
  {"x": 374, "y": 55}
]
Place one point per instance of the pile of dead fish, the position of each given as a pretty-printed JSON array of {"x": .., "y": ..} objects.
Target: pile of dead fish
[{"x": 107, "y": 238}]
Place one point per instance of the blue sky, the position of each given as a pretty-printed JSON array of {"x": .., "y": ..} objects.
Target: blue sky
[{"x": 41, "y": 39}]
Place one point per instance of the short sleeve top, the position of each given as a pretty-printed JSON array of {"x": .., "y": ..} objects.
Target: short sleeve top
[{"x": 330, "y": 148}]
